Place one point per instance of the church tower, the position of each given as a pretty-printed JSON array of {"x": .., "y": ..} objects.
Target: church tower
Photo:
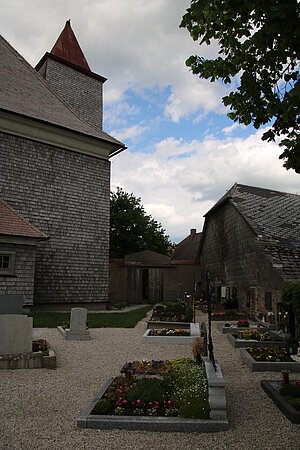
[{"x": 68, "y": 73}]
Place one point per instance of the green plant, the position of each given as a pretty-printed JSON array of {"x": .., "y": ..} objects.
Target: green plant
[
  {"x": 147, "y": 390},
  {"x": 189, "y": 391}
]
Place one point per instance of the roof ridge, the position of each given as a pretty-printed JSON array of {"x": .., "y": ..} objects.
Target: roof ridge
[{"x": 43, "y": 235}]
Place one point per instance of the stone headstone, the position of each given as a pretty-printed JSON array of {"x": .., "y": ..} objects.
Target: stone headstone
[
  {"x": 78, "y": 320},
  {"x": 11, "y": 304},
  {"x": 15, "y": 334},
  {"x": 78, "y": 330}
]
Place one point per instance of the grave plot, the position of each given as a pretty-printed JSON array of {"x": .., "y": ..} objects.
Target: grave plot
[
  {"x": 172, "y": 335},
  {"x": 171, "y": 315},
  {"x": 268, "y": 360},
  {"x": 78, "y": 330},
  {"x": 235, "y": 327},
  {"x": 286, "y": 396},
  {"x": 174, "y": 395},
  {"x": 18, "y": 350},
  {"x": 254, "y": 338}
]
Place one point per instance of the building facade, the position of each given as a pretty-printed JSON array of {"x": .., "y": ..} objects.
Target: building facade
[{"x": 55, "y": 169}]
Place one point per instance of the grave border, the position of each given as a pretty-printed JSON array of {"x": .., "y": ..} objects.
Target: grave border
[
  {"x": 264, "y": 366},
  {"x": 280, "y": 402},
  {"x": 218, "y": 414}
]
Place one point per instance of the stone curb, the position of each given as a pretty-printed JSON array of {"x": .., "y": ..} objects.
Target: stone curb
[
  {"x": 283, "y": 405},
  {"x": 262, "y": 366},
  {"x": 246, "y": 343}
]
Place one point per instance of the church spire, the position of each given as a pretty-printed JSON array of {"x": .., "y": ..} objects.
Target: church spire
[{"x": 67, "y": 48}]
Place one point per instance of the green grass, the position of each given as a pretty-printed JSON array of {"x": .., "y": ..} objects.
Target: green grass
[{"x": 96, "y": 320}]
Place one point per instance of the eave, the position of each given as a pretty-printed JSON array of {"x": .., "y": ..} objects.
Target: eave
[{"x": 37, "y": 130}]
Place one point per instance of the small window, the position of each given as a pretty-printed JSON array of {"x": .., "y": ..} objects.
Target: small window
[{"x": 7, "y": 263}]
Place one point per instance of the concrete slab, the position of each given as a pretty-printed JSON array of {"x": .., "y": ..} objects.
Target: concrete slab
[{"x": 194, "y": 332}]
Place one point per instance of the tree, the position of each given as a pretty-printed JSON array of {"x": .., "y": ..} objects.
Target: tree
[
  {"x": 291, "y": 298},
  {"x": 131, "y": 229},
  {"x": 259, "y": 42}
]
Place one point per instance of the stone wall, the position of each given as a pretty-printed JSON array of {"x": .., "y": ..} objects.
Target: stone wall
[
  {"x": 22, "y": 281},
  {"x": 81, "y": 91},
  {"x": 66, "y": 195}
]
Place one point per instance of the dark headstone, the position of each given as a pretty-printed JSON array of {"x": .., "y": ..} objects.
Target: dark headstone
[{"x": 11, "y": 304}]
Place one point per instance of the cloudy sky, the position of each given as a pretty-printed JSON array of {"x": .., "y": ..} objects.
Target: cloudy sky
[{"x": 183, "y": 152}]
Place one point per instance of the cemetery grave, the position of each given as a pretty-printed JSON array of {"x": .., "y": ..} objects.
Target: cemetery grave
[
  {"x": 173, "y": 395},
  {"x": 18, "y": 350},
  {"x": 78, "y": 330},
  {"x": 286, "y": 395}
]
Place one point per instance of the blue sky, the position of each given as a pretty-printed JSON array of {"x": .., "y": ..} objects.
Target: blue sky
[{"x": 183, "y": 152}]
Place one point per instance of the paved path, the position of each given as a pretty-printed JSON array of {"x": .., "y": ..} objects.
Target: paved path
[{"x": 39, "y": 408}]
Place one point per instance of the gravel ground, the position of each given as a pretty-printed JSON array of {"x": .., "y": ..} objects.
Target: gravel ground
[{"x": 39, "y": 408}]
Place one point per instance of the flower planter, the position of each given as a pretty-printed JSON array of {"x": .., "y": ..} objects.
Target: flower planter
[
  {"x": 32, "y": 360},
  {"x": 272, "y": 388},
  {"x": 267, "y": 366},
  {"x": 246, "y": 343},
  {"x": 194, "y": 332},
  {"x": 232, "y": 328},
  {"x": 217, "y": 420}
]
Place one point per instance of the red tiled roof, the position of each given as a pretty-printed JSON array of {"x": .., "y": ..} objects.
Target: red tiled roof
[
  {"x": 12, "y": 224},
  {"x": 68, "y": 48}
]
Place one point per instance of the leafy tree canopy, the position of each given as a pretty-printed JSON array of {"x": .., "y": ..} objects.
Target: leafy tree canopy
[
  {"x": 259, "y": 41},
  {"x": 131, "y": 229}
]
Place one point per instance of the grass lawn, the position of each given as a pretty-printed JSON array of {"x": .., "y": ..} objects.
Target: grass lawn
[{"x": 96, "y": 320}]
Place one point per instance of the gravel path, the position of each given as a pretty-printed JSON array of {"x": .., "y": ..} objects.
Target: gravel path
[{"x": 39, "y": 408}]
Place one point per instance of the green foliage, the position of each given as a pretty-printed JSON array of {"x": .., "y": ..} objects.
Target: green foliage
[
  {"x": 96, "y": 320},
  {"x": 147, "y": 390},
  {"x": 131, "y": 229},
  {"x": 259, "y": 41},
  {"x": 189, "y": 315},
  {"x": 173, "y": 307},
  {"x": 189, "y": 391}
]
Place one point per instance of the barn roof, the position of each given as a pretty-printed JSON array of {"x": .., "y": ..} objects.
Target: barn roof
[
  {"x": 275, "y": 218},
  {"x": 188, "y": 249}
]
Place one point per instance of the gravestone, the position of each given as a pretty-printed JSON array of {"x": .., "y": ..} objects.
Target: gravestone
[
  {"x": 11, "y": 304},
  {"x": 15, "y": 334},
  {"x": 78, "y": 329}
]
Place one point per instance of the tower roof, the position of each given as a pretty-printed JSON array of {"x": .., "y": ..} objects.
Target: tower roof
[{"x": 67, "y": 47}]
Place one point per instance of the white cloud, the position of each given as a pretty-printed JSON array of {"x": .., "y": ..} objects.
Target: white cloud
[
  {"x": 181, "y": 181},
  {"x": 231, "y": 128},
  {"x": 129, "y": 132}
]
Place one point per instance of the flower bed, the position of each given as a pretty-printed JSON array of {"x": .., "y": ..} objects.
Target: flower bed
[
  {"x": 252, "y": 338},
  {"x": 285, "y": 396},
  {"x": 269, "y": 359},
  {"x": 172, "y": 312},
  {"x": 161, "y": 395},
  {"x": 172, "y": 335},
  {"x": 169, "y": 332},
  {"x": 181, "y": 390},
  {"x": 42, "y": 356}
]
